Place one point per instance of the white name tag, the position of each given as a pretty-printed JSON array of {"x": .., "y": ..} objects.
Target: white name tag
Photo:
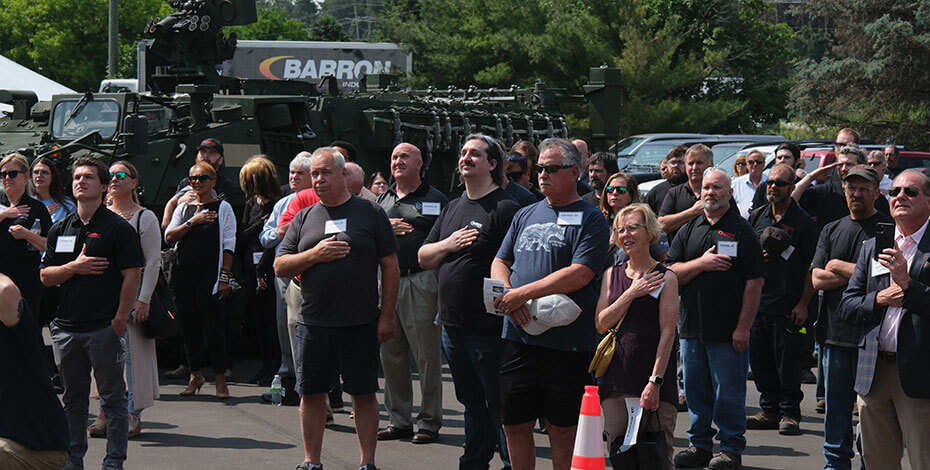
[
  {"x": 569, "y": 218},
  {"x": 878, "y": 269},
  {"x": 430, "y": 208},
  {"x": 256, "y": 257},
  {"x": 65, "y": 244},
  {"x": 335, "y": 226},
  {"x": 787, "y": 253},
  {"x": 656, "y": 293},
  {"x": 727, "y": 248},
  {"x": 475, "y": 225}
]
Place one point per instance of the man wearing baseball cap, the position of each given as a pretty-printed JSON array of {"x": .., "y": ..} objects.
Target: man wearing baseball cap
[{"x": 209, "y": 151}]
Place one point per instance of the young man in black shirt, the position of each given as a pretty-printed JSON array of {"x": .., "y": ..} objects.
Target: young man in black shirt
[
  {"x": 462, "y": 245},
  {"x": 682, "y": 203},
  {"x": 674, "y": 175},
  {"x": 777, "y": 344},
  {"x": 833, "y": 264},
  {"x": 96, "y": 257}
]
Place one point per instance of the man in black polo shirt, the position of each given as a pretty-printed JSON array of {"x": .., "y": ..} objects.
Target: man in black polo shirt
[
  {"x": 681, "y": 204},
  {"x": 462, "y": 245},
  {"x": 95, "y": 256},
  {"x": 716, "y": 252},
  {"x": 833, "y": 265},
  {"x": 674, "y": 175},
  {"x": 413, "y": 206},
  {"x": 777, "y": 342}
]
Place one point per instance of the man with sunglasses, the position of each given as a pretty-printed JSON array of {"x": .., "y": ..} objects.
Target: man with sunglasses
[
  {"x": 519, "y": 170},
  {"x": 837, "y": 251},
  {"x": 744, "y": 187},
  {"x": 600, "y": 167},
  {"x": 777, "y": 340},
  {"x": 552, "y": 247},
  {"x": 516, "y": 191},
  {"x": 889, "y": 298},
  {"x": 674, "y": 175}
]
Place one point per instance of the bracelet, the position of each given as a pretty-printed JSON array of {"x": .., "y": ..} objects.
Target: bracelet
[{"x": 225, "y": 275}]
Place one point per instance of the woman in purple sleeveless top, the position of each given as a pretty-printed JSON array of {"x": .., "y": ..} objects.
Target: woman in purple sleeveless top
[{"x": 644, "y": 294}]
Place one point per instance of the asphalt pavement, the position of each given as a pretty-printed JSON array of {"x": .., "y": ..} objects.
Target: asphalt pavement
[{"x": 202, "y": 432}]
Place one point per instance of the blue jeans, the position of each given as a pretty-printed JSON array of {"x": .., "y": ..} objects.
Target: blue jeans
[
  {"x": 715, "y": 387},
  {"x": 840, "y": 374},
  {"x": 475, "y": 361},
  {"x": 103, "y": 351}
]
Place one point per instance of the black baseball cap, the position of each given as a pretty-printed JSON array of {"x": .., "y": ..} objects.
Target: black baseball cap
[{"x": 212, "y": 144}]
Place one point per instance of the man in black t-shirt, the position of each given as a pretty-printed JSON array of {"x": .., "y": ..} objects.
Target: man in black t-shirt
[
  {"x": 342, "y": 241},
  {"x": 462, "y": 245},
  {"x": 716, "y": 252},
  {"x": 681, "y": 204},
  {"x": 96, "y": 258},
  {"x": 833, "y": 264},
  {"x": 777, "y": 339},
  {"x": 600, "y": 166},
  {"x": 33, "y": 430}
]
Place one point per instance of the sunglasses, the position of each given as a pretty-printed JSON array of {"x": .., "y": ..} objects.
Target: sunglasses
[
  {"x": 119, "y": 175},
  {"x": 909, "y": 191},
  {"x": 551, "y": 169},
  {"x": 756, "y": 162},
  {"x": 740, "y": 163},
  {"x": 12, "y": 174},
  {"x": 777, "y": 183},
  {"x": 199, "y": 178},
  {"x": 618, "y": 189}
]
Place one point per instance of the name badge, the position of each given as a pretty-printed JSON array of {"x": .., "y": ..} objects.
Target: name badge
[
  {"x": 430, "y": 208},
  {"x": 256, "y": 257},
  {"x": 878, "y": 269},
  {"x": 334, "y": 226},
  {"x": 475, "y": 225},
  {"x": 569, "y": 218},
  {"x": 727, "y": 248},
  {"x": 656, "y": 293},
  {"x": 65, "y": 244},
  {"x": 787, "y": 253}
]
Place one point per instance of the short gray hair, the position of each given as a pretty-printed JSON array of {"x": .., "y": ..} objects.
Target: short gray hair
[
  {"x": 854, "y": 149},
  {"x": 301, "y": 161},
  {"x": 879, "y": 155},
  {"x": 570, "y": 153},
  {"x": 337, "y": 156},
  {"x": 713, "y": 169}
]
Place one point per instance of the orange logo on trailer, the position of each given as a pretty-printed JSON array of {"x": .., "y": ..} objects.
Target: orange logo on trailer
[{"x": 265, "y": 67}]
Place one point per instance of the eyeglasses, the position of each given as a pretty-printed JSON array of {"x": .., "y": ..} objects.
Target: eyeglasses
[
  {"x": 675, "y": 162},
  {"x": 740, "y": 163},
  {"x": 119, "y": 175},
  {"x": 756, "y": 162},
  {"x": 551, "y": 169},
  {"x": 12, "y": 174},
  {"x": 199, "y": 178},
  {"x": 777, "y": 183},
  {"x": 618, "y": 189},
  {"x": 41, "y": 172},
  {"x": 854, "y": 189},
  {"x": 909, "y": 191},
  {"x": 629, "y": 228},
  {"x": 875, "y": 163}
]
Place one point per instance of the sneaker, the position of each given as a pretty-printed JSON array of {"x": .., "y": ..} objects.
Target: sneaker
[
  {"x": 762, "y": 420},
  {"x": 682, "y": 404},
  {"x": 789, "y": 427},
  {"x": 821, "y": 406},
  {"x": 308, "y": 466},
  {"x": 725, "y": 460},
  {"x": 368, "y": 466},
  {"x": 693, "y": 457}
]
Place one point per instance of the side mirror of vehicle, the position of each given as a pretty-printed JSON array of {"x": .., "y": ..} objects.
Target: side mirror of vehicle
[{"x": 136, "y": 132}]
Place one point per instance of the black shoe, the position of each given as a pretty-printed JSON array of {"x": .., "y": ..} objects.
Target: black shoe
[
  {"x": 821, "y": 406},
  {"x": 424, "y": 436},
  {"x": 808, "y": 377},
  {"x": 391, "y": 433},
  {"x": 693, "y": 457},
  {"x": 336, "y": 402},
  {"x": 726, "y": 461}
]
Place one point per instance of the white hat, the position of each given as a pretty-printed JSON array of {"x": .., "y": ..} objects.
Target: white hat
[{"x": 550, "y": 311}]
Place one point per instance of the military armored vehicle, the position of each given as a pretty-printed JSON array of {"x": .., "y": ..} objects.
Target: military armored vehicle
[{"x": 159, "y": 130}]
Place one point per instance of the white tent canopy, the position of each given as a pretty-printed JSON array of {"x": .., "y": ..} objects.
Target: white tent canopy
[{"x": 16, "y": 77}]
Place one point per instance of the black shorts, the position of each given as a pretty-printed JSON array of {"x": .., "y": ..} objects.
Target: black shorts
[
  {"x": 353, "y": 351},
  {"x": 539, "y": 382}
]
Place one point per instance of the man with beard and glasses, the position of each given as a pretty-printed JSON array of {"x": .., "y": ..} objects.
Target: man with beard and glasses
[
  {"x": 837, "y": 251},
  {"x": 674, "y": 175},
  {"x": 777, "y": 340},
  {"x": 600, "y": 166},
  {"x": 716, "y": 251}
]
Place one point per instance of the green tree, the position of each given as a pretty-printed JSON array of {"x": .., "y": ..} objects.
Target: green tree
[
  {"x": 273, "y": 24},
  {"x": 326, "y": 28},
  {"x": 874, "y": 78},
  {"x": 358, "y": 17}
]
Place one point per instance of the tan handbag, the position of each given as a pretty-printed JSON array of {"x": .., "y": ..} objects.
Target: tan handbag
[{"x": 606, "y": 348}]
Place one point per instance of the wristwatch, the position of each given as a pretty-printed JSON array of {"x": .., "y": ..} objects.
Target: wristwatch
[
  {"x": 188, "y": 224},
  {"x": 656, "y": 379}
]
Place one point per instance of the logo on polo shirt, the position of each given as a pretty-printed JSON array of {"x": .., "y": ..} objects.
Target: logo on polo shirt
[
  {"x": 725, "y": 234},
  {"x": 93, "y": 235}
]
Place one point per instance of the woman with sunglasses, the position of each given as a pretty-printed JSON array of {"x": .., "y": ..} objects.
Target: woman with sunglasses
[
  {"x": 24, "y": 224},
  {"x": 641, "y": 295},
  {"x": 621, "y": 190},
  {"x": 46, "y": 179},
  {"x": 205, "y": 231},
  {"x": 740, "y": 166},
  {"x": 142, "y": 364}
]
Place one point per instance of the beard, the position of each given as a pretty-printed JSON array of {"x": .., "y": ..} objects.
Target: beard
[
  {"x": 774, "y": 198},
  {"x": 676, "y": 178},
  {"x": 713, "y": 204},
  {"x": 597, "y": 185}
]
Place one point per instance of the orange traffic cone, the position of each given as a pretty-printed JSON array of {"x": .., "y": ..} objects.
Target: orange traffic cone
[{"x": 589, "y": 438}]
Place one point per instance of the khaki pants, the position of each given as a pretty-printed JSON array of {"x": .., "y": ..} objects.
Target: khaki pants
[
  {"x": 891, "y": 421},
  {"x": 414, "y": 333},
  {"x": 615, "y": 420},
  {"x": 15, "y": 456}
]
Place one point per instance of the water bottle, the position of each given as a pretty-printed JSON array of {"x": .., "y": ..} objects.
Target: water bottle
[{"x": 277, "y": 392}]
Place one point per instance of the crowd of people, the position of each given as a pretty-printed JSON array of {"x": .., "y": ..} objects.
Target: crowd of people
[{"x": 701, "y": 280}]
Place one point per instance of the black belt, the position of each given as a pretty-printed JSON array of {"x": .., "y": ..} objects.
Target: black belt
[
  {"x": 407, "y": 272},
  {"x": 888, "y": 356}
]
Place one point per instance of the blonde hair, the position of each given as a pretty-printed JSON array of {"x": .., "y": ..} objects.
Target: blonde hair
[
  {"x": 23, "y": 165},
  {"x": 133, "y": 173},
  {"x": 650, "y": 221}
]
